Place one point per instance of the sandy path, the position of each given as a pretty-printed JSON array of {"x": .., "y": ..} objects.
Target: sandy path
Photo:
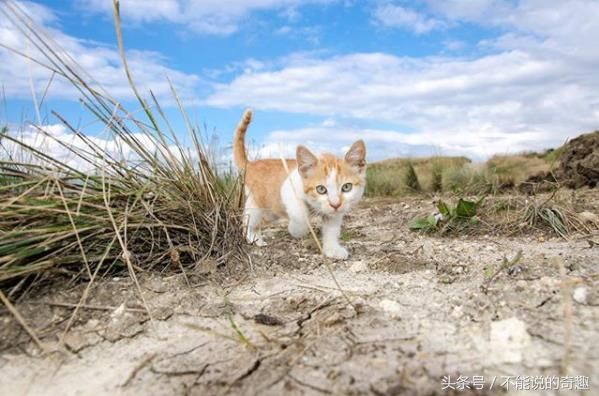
[{"x": 417, "y": 313}]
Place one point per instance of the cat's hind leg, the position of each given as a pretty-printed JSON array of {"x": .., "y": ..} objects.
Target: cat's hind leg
[{"x": 253, "y": 216}]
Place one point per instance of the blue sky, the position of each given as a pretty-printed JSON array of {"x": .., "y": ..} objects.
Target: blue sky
[{"x": 412, "y": 78}]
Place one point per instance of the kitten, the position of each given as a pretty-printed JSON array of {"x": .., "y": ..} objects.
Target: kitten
[{"x": 325, "y": 185}]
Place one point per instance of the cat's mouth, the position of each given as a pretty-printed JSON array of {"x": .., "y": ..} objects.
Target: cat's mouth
[
  {"x": 319, "y": 209},
  {"x": 341, "y": 208}
]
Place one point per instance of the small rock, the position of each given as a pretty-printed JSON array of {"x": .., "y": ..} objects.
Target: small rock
[
  {"x": 580, "y": 295},
  {"x": 521, "y": 285},
  {"x": 349, "y": 312},
  {"x": 92, "y": 324},
  {"x": 386, "y": 236},
  {"x": 76, "y": 341},
  {"x": 508, "y": 340},
  {"x": 457, "y": 312},
  {"x": 427, "y": 249},
  {"x": 118, "y": 312},
  {"x": 391, "y": 308},
  {"x": 268, "y": 320},
  {"x": 458, "y": 269},
  {"x": 360, "y": 305},
  {"x": 548, "y": 282},
  {"x": 333, "y": 319},
  {"x": 588, "y": 217},
  {"x": 514, "y": 270},
  {"x": 358, "y": 266}
]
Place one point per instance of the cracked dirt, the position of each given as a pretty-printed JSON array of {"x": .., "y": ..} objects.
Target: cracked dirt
[{"x": 413, "y": 311}]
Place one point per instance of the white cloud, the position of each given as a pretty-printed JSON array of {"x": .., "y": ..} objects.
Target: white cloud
[
  {"x": 533, "y": 87},
  {"x": 569, "y": 26},
  {"x": 201, "y": 16},
  {"x": 57, "y": 141},
  {"x": 391, "y": 15},
  {"x": 102, "y": 62},
  {"x": 381, "y": 143}
]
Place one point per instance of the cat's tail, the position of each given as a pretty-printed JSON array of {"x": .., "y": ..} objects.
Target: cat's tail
[{"x": 239, "y": 155}]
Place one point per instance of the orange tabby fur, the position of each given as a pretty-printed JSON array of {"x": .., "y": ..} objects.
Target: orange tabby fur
[
  {"x": 264, "y": 176},
  {"x": 267, "y": 184}
]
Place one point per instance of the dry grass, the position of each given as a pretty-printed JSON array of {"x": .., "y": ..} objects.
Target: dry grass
[
  {"x": 510, "y": 215},
  {"x": 514, "y": 169},
  {"x": 456, "y": 174},
  {"x": 163, "y": 206},
  {"x": 392, "y": 177}
]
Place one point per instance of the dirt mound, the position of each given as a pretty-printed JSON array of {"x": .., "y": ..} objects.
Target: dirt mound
[
  {"x": 579, "y": 166},
  {"x": 579, "y": 162}
]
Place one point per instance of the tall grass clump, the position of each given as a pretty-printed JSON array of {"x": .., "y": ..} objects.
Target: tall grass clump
[
  {"x": 470, "y": 179},
  {"x": 382, "y": 182},
  {"x": 436, "y": 176},
  {"x": 411, "y": 179},
  {"x": 516, "y": 168},
  {"x": 163, "y": 206},
  {"x": 402, "y": 176}
]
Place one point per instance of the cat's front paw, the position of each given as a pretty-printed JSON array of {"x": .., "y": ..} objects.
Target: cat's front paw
[
  {"x": 260, "y": 242},
  {"x": 336, "y": 252},
  {"x": 256, "y": 240}
]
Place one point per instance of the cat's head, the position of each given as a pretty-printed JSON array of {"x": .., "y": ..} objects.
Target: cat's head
[{"x": 333, "y": 185}]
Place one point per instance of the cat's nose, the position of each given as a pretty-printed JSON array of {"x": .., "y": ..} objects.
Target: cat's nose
[{"x": 335, "y": 205}]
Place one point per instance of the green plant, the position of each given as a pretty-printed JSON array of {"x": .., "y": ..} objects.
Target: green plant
[{"x": 448, "y": 218}]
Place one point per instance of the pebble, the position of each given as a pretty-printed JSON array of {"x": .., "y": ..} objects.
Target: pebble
[
  {"x": 548, "y": 282},
  {"x": 588, "y": 217},
  {"x": 580, "y": 295},
  {"x": 509, "y": 338},
  {"x": 391, "y": 308},
  {"x": 427, "y": 249},
  {"x": 358, "y": 266},
  {"x": 386, "y": 236}
]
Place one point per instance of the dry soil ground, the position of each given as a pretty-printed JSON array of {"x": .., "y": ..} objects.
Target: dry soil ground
[{"x": 417, "y": 313}]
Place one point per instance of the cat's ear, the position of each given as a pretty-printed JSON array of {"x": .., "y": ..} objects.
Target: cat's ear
[
  {"x": 356, "y": 155},
  {"x": 306, "y": 161}
]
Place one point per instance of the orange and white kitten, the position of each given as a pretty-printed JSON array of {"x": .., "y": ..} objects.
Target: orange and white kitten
[{"x": 323, "y": 185}]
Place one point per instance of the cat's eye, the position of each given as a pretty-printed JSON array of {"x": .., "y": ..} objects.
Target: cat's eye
[
  {"x": 321, "y": 189},
  {"x": 346, "y": 187}
]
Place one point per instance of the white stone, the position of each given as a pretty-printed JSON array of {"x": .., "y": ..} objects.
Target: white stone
[
  {"x": 358, "y": 266},
  {"x": 427, "y": 249},
  {"x": 580, "y": 295},
  {"x": 508, "y": 340},
  {"x": 118, "y": 312},
  {"x": 391, "y": 308}
]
